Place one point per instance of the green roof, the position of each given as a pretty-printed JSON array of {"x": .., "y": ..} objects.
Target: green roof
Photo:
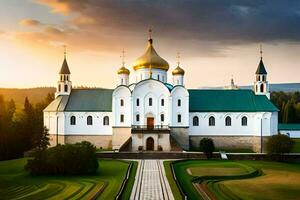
[
  {"x": 261, "y": 68},
  {"x": 289, "y": 127},
  {"x": 90, "y": 100},
  {"x": 229, "y": 101}
]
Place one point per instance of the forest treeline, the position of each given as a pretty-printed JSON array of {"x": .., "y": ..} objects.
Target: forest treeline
[
  {"x": 21, "y": 130},
  {"x": 289, "y": 106}
]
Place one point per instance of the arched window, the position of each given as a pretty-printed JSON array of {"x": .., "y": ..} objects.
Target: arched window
[
  {"x": 137, "y": 117},
  {"x": 195, "y": 121},
  {"x": 263, "y": 78},
  {"x": 59, "y": 89},
  {"x": 121, "y": 118},
  {"x": 244, "y": 121},
  {"x": 89, "y": 120},
  {"x": 262, "y": 88},
  {"x": 179, "y": 118},
  {"x": 66, "y": 88},
  {"x": 67, "y": 78},
  {"x": 137, "y": 102},
  {"x": 73, "y": 120},
  {"x": 162, "y": 117},
  {"x": 211, "y": 121},
  {"x": 162, "y": 102},
  {"x": 179, "y": 102},
  {"x": 122, "y": 102},
  {"x": 106, "y": 121},
  {"x": 228, "y": 121},
  {"x": 150, "y": 101}
]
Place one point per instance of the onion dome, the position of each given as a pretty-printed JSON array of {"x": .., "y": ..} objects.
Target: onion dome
[
  {"x": 151, "y": 59},
  {"x": 178, "y": 71},
  {"x": 123, "y": 70}
]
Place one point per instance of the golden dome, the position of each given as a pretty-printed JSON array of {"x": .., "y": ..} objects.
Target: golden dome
[
  {"x": 151, "y": 58},
  {"x": 123, "y": 70},
  {"x": 178, "y": 71}
]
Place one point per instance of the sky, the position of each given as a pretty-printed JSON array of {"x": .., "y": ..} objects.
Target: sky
[{"x": 216, "y": 39}]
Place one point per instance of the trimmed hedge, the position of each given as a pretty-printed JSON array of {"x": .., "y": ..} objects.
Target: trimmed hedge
[{"x": 69, "y": 159}]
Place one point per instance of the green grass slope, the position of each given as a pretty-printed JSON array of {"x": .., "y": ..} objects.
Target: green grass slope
[{"x": 16, "y": 183}]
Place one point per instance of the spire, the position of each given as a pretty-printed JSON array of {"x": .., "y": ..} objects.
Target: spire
[
  {"x": 178, "y": 58},
  {"x": 261, "y": 67},
  {"x": 65, "y": 68},
  {"x": 150, "y": 43},
  {"x": 178, "y": 70}
]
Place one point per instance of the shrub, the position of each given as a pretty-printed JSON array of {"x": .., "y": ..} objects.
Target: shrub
[
  {"x": 207, "y": 146},
  {"x": 69, "y": 159},
  {"x": 279, "y": 144}
]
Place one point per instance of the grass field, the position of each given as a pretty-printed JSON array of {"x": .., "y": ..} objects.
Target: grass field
[
  {"x": 16, "y": 183},
  {"x": 239, "y": 180}
]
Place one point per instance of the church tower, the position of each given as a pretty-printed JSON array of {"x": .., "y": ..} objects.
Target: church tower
[
  {"x": 178, "y": 73},
  {"x": 261, "y": 85},
  {"x": 123, "y": 72},
  {"x": 64, "y": 85}
]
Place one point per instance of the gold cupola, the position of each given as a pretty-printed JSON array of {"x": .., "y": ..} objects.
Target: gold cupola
[
  {"x": 151, "y": 59},
  {"x": 178, "y": 70},
  {"x": 123, "y": 70}
]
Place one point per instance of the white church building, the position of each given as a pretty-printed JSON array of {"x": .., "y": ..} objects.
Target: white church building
[{"x": 152, "y": 114}]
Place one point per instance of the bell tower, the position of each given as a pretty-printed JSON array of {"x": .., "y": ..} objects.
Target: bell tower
[
  {"x": 64, "y": 84},
  {"x": 261, "y": 85}
]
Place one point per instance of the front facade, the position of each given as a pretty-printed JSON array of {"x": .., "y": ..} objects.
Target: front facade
[{"x": 152, "y": 114}]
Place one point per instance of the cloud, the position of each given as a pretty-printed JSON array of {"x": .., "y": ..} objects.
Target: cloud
[{"x": 30, "y": 22}]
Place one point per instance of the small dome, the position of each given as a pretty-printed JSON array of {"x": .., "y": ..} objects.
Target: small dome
[
  {"x": 178, "y": 71},
  {"x": 151, "y": 58},
  {"x": 123, "y": 70}
]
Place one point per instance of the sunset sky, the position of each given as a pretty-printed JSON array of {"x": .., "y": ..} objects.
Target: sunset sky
[{"x": 216, "y": 39}]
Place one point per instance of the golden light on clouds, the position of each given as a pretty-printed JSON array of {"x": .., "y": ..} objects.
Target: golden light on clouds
[{"x": 29, "y": 22}]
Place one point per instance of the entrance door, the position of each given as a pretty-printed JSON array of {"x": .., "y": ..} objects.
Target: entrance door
[
  {"x": 150, "y": 144},
  {"x": 150, "y": 122}
]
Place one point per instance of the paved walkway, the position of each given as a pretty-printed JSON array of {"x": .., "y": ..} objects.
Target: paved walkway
[{"x": 151, "y": 182}]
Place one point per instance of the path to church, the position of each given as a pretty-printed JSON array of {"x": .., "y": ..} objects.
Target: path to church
[{"x": 151, "y": 182}]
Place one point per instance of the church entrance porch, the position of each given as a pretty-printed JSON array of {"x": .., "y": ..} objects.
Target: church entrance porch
[{"x": 150, "y": 144}]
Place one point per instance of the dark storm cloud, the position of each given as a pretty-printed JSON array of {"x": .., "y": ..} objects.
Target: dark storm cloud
[{"x": 210, "y": 20}]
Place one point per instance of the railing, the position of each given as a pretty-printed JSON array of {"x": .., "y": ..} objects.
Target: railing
[{"x": 147, "y": 127}]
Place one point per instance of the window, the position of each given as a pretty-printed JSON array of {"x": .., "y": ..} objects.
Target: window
[
  {"x": 150, "y": 101},
  {"x": 195, "y": 121},
  {"x": 89, "y": 120},
  {"x": 137, "y": 118},
  {"x": 244, "y": 121},
  {"x": 67, "y": 78},
  {"x": 66, "y": 88},
  {"x": 162, "y": 102},
  {"x": 179, "y": 102},
  {"x": 228, "y": 121},
  {"x": 122, "y": 102},
  {"x": 106, "y": 121},
  {"x": 61, "y": 78},
  {"x": 162, "y": 117},
  {"x": 59, "y": 88},
  {"x": 121, "y": 118},
  {"x": 157, "y": 76},
  {"x": 211, "y": 121},
  {"x": 262, "y": 88},
  {"x": 179, "y": 118},
  {"x": 137, "y": 102},
  {"x": 263, "y": 78},
  {"x": 73, "y": 120}
]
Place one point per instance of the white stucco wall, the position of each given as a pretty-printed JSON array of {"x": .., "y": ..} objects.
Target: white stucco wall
[
  {"x": 142, "y": 74},
  {"x": 121, "y": 93},
  {"x": 291, "y": 133},
  {"x": 181, "y": 93},
  {"x": 253, "y": 128}
]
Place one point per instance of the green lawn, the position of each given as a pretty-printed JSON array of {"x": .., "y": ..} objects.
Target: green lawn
[
  {"x": 296, "y": 148},
  {"x": 173, "y": 185},
  {"x": 16, "y": 183},
  {"x": 240, "y": 179}
]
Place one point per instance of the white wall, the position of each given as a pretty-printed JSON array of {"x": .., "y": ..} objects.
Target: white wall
[
  {"x": 291, "y": 133},
  {"x": 142, "y": 74},
  {"x": 181, "y": 93},
  {"x": 81, "y": 127},
  {"x": 253, "y": 128},
  {"x": 157, "y": 91},
  {"x": 121, "y": 92}
]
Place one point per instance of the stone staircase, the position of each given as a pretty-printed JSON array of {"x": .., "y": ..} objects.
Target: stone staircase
[
  {"x": 127, "y": 146},
  {"x": 174, "y": 144}
]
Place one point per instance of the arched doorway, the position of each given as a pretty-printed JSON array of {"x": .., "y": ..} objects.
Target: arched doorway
[{"x": 150, "y": 144}]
